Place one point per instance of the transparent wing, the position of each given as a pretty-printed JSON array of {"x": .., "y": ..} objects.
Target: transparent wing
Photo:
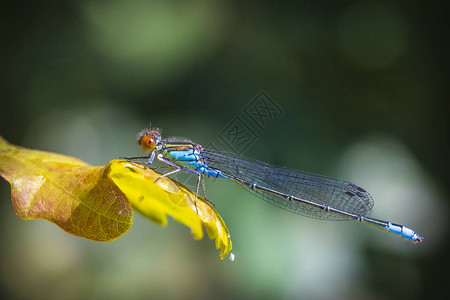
[{"x": 316, "y": 188}]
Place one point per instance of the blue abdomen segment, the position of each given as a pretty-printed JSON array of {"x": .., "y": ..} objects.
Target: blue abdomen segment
[
  {"x": 210, "y": 172},
  {"x": 404, "y": 232},
  {"x": 190, "y": 159},
  {"x": 397, "y": 229}
]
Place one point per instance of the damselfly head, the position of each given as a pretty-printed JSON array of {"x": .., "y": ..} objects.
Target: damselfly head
[{"x": 149, "y": 139}]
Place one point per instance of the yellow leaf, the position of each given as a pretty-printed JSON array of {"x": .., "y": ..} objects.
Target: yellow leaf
[
  {"x": 94, "y": 202},
  {"x": 156, "y": 200},
  {"x": 77, "y": 197}
]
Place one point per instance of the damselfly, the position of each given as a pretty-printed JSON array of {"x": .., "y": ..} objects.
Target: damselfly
[{"x": 300, "y": 192}]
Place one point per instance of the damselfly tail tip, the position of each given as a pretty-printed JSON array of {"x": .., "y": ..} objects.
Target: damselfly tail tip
[{"x": 418, "y": 239}]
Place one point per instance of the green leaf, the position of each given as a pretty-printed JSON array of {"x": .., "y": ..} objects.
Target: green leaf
[{"x": 95, "y": 202}]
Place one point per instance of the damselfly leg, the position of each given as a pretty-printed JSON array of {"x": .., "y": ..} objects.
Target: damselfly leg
[{"x": 178, "y": 168}]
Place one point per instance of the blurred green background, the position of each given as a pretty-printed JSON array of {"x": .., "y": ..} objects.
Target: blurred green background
[{"x": 361, "y": 87}]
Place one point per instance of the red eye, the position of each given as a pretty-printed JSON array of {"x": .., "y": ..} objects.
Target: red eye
[{"x": 148, "y": 143}]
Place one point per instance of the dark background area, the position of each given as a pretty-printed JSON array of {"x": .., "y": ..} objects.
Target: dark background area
[{"x": 361, "y": 90}]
